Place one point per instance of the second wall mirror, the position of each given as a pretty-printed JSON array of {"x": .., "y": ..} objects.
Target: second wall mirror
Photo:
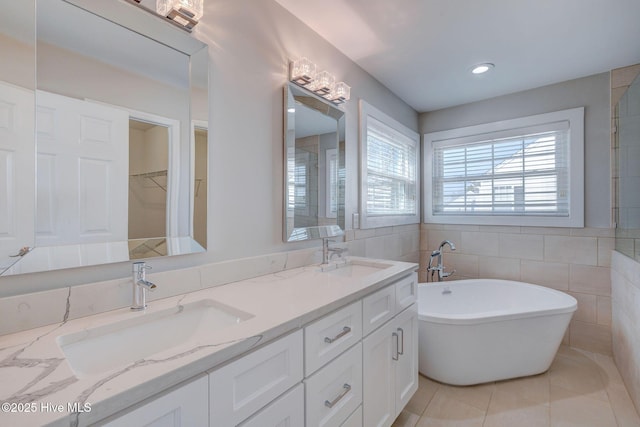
[{"x": 314, "y": 166}]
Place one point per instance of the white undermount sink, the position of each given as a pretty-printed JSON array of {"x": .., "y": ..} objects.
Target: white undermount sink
[
  {"x": 355, "y": 269},
  {"x": 116, "y": 345}
]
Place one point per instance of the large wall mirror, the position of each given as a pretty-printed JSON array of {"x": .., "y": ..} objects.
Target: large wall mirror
[
  {"x": 314, "y": 166},
  {"x": 120, "y": 102}
]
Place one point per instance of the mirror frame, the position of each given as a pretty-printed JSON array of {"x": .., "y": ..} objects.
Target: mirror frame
[
  {"x": 291, "y": 233},
  {"x": 136, "y": 19}
]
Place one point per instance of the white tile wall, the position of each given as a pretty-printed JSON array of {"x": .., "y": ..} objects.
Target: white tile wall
[{"x": 625, "y": 296}]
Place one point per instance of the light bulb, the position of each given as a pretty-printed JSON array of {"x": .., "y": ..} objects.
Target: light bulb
[{"x": 482, "y": 68}]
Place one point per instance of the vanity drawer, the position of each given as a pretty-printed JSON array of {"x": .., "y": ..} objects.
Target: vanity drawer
[
  {"x": 287, "y": 410},
  {"x": 335, "y": 391},
  {"x": 326, "y": 338},
  {"x": 377, "y": 308},
  {"x": 244, "y": 386},
  {"x": 406, "y": 291}
]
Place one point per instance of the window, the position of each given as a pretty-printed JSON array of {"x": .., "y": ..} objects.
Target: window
[
  {"x": 526, "y": 171},
  {"x": 389, "y": 180},
  {"x": 297, "y": 178},
  {"x": 331, "y": 182}
]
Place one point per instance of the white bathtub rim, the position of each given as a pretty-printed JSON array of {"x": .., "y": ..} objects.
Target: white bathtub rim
[
  {"x": 468, "y": 320},
  {"x": 493, "y": 315}
]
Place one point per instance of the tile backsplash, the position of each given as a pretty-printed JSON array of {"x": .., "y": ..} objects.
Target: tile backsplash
[{"x": 42, "y": 308}]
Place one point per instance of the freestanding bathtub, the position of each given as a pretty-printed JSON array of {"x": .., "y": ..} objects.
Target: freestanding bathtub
[{"x": 482, "y": 330}]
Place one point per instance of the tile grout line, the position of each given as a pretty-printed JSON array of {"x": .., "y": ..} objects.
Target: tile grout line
[{"x": 486, "y": 411}]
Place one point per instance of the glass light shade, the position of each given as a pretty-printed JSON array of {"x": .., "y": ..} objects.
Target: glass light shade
[
  {"x": 323, "y": 83},
  {"x": 341, "y": 92},
  {"x": 185, "y": 12},
  {"x": 302, "y": 71}
]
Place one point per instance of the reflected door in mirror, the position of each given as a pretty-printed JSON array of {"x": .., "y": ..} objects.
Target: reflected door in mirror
[
  {"x": 82, "y": 169},
  {"x": 16, "y": 171}
]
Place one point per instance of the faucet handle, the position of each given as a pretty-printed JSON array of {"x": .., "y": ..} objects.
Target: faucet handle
[
  {"x": 447, "y": 274},
  {"x": 141, "y": 265}
]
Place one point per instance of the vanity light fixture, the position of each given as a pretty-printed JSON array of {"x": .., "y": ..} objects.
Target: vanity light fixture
[
  {"x": 303, "y": 73},
  {"x": 482, "y": 68},
  {"x": 184, "y": 12}
]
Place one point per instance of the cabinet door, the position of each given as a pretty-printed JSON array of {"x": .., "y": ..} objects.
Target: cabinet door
[
  {"x": 379, "y": 350},
  {"x": 184, "y": 406},
  {"x": 406, "y": 367}
]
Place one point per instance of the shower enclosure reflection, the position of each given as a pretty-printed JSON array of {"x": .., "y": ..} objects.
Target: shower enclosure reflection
[{"x": 627, "y": 116}]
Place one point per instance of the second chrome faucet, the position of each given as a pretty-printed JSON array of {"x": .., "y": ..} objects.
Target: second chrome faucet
[
  {"x": 140, "y": 286},
  {"x": 328, "y": 252}
]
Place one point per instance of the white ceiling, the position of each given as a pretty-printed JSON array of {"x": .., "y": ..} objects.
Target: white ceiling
[{"x": 423, "y": 50}]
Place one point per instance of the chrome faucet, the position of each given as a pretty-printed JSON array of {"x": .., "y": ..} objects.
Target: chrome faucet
[
  {"x": 440, "y": 267},
  {"x": 140, "y": 286},
  {"x": 328, "y": 252}
]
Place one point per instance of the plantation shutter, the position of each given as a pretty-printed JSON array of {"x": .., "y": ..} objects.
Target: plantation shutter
[
  {"x": 391, "y": 171},
  {"x": 516, "y": 172}
]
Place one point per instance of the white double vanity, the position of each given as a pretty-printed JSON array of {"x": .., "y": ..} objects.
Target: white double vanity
[{"x": 301, "y": 347}]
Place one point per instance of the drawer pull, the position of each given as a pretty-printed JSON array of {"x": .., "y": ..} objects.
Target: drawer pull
[
  {"x": 401, "y": 340},
  {"x": 346, "y": 388},
  {"x": 344, "y": 332}
]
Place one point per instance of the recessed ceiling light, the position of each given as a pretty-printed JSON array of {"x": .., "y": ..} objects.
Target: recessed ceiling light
[
  {"x": 482, "y": 68},
  {"x": 291, "y": 110}
]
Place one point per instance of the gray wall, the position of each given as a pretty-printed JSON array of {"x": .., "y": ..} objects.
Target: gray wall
[
  {"x": 591, "y": 92},
  {"x": 250, "y": 44}
]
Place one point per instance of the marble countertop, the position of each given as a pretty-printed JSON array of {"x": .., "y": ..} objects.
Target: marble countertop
[{"x": 42, "y": 389}]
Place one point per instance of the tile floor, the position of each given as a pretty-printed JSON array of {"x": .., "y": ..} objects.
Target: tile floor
[{"x": 581, "y": 389}]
